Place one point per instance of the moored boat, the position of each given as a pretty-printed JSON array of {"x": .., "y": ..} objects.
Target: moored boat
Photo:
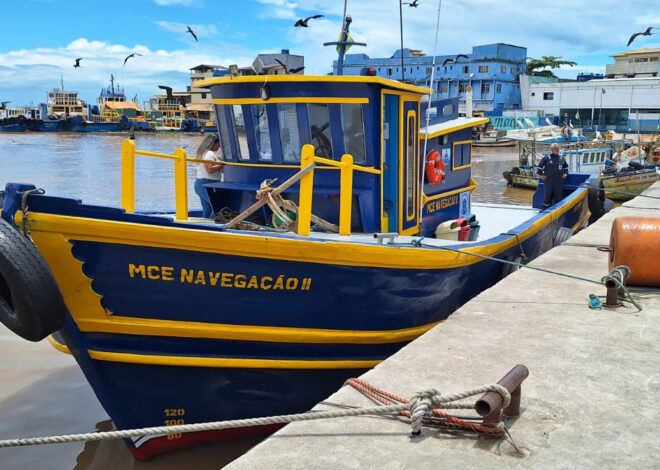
[{"x": 176, "y": 319}]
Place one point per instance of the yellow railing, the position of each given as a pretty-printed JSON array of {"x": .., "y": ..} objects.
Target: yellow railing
[
  {"x": 346, "y": 167},
  {"x": 128, "y": 153}
]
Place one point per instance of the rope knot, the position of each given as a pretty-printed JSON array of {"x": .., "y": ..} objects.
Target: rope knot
[{"x": 420, "y": 404}]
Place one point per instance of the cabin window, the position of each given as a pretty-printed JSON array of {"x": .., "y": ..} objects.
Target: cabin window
[
  {"x": 262, "y": 132},
  {"x": 483, "y": 69},
  {"x": 410, "y": 167},
  {"x": 224, "y": 131},
  {"x": 585, "y": 158},
  {"x": 448, "y": 109},
  {"x": 319, "y": 123},
  {"x": 239, "y": 130},
  {"x": 549, "y": 95},
  {"x": 288, "y": 119},
  {"x": 461, "y": 155},
  {"x": 353, "y": 130}
]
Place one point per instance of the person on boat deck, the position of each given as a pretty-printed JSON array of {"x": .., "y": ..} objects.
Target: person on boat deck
[
  {"x": 208, "y": 172},
  {"x": 552, "y": 170}
]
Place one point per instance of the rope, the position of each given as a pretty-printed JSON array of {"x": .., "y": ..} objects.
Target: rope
[
  {"x": 523, "y": 256},
  {"x": 417, "y": 408},
  {"x": 619, "y": 281},
  {"x": 418, "y": 243},
  {"x": 446, "y": 420},
  {"x": 617, "y": 191}
]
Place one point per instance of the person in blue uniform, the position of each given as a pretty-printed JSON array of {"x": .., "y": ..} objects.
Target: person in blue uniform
[{"x": 552, "y": 170}]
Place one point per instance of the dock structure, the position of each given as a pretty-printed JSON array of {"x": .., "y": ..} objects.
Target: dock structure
[{"x": 590, "y": 401}]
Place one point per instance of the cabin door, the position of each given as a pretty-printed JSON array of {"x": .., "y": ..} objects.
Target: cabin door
[
  {"x": 400, "y": 163},
  {"x": 409, "y": 168}
]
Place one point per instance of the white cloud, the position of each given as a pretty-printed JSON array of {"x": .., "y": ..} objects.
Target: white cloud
[
  {"x": 27, "y": 73},
  {"x": 167, "y": 3}
]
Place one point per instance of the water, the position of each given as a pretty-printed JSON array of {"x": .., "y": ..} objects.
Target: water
[{"x": 44, "y": 391}]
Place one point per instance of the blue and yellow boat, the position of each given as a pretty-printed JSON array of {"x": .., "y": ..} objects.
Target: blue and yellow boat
[{"x": 177, "y": 319}]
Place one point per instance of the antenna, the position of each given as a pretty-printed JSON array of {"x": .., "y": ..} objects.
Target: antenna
[
  {"x": 62, "y": 81},
  {"x": 344, "y": 43},
  {"x": 403, "y": 68}
]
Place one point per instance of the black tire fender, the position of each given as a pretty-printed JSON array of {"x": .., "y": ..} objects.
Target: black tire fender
[
  {"x": 511, "y": 268},
  {"x": 596, "y": 199},
  {"x": 31, "y": 304},
  {"x": 608, "y": 205}
]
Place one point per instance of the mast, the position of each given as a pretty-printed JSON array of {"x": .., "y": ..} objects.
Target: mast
[{"x": 343, "y": 44}]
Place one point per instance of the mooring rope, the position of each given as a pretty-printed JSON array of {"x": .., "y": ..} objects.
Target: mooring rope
[{"x": 418, "y": 406}]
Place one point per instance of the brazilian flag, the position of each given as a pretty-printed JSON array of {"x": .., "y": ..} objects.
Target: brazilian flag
[
  {"x": 577, "y": 115},
  {"x": 348, "y": 39}
]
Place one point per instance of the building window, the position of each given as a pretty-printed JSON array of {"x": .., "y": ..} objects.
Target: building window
[
  {"x": 389, "y": 71},
  {"x": 483, "y": 69},
  {"x": 429, "y": 70},
  {"x": 353, "y": 129},
  {"x": 513, "y": 70},
  {"x": 548, "y": 96},
  {"x": 288, "y": 121},
  {"x": 533, "y": 94},
  {"x": 443, "y": 88},
  {"x": 485, "y": 88},
  {"x": 499, "y": 88},
  {"x": 466, "y": 69},
  {"x": 462, "y": 88},
  {"x": 504, "y": 69}
]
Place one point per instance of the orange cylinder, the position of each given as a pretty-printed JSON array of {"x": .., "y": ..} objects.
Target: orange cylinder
[{"x": 635, "y": 242}]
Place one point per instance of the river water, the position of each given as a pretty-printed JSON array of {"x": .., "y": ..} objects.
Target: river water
[{"x": 43, "y": 392}]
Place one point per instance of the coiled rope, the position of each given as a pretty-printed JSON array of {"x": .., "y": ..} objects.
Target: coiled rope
[{"x": 418, "y": 407}]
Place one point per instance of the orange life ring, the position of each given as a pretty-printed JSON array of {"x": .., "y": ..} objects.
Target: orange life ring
[{"x": 435, "y": 169}]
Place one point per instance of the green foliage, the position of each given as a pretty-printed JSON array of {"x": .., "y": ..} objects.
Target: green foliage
[{"x": 539, "y": 67}]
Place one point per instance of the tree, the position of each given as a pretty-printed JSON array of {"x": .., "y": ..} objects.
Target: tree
[{"x": 537, "y": 67}]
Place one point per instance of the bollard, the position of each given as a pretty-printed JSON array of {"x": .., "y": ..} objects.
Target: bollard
[
  {"x": 614, "y": 281},
  {"x": 490, "y": 404}
]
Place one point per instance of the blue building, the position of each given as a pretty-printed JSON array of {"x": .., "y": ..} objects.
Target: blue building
[{"x": 492, "y": 70}]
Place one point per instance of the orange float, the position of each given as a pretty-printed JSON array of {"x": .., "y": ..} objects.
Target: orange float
[
  {"x": 435, "y": 169},
  {"x": 635, "y": 242}
]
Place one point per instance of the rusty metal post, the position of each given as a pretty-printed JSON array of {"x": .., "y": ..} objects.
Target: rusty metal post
[{"x": 490, "y": 404}]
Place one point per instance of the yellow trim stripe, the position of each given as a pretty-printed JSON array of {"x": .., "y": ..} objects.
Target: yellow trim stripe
[
  {"x": 57, "y": 345},
  {"x": 272, "y": 334},
  {"x": 449, "y": 130},
  {"x": 306, "y": 99},
  {"x": 225, "y": 362},
  {"x": 314, "y": 78}
]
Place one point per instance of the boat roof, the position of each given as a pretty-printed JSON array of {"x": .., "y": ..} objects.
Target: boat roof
[
  {"x": 452, "y": 125},
  {"x": 314, "y": 78},
  {"x": 122, "y": 105}
]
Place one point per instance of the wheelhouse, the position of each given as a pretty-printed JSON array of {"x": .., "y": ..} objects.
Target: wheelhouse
[{"x": 263, "y": 123}]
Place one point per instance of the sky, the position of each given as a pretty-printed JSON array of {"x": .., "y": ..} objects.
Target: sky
[{"x": 42, "y": 38}]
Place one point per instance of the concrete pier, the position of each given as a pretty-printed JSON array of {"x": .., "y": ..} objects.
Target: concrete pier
[{"x": 592, "y": 398}]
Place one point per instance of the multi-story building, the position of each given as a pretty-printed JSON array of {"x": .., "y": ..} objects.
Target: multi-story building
[
  {"x": 639, "y": 63},
  {"x": 627, "y": 101},
  {"x": 492, "y": 70}
]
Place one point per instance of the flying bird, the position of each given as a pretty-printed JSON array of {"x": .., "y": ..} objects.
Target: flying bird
[
  {"x": 448, "y": 61},
  {"x": 286, "y": 69},
  {"x": 461, "y": 55},
  {"x": 131, "y": 55},
  {"x": 645, "y": 33},
  {"x": 303, "y": 22},
  {"x": 77, "y": 64},
  {"x": 192, "y": 32},
  {"x": 168, "y": 90},
  {"x": 414, "y": 4}
]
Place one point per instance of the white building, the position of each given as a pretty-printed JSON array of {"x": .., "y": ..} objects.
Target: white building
[{"x": 622, "y": 104}]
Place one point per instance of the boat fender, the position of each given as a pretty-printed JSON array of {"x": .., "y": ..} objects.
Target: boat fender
[
  {"x": 511, "y": 268},
  {"x": 596, "y": 199},
  {"x": 634, "y": 243},
  {"x": 435, "y": 169},
  {"x": 31, "y": 304},
  {"x": 563, "y": 234}
]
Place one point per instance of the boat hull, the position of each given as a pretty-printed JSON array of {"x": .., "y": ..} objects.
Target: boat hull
[
  {"x": 173, "y": 323},
  {"x": 625, "y": 186}
]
